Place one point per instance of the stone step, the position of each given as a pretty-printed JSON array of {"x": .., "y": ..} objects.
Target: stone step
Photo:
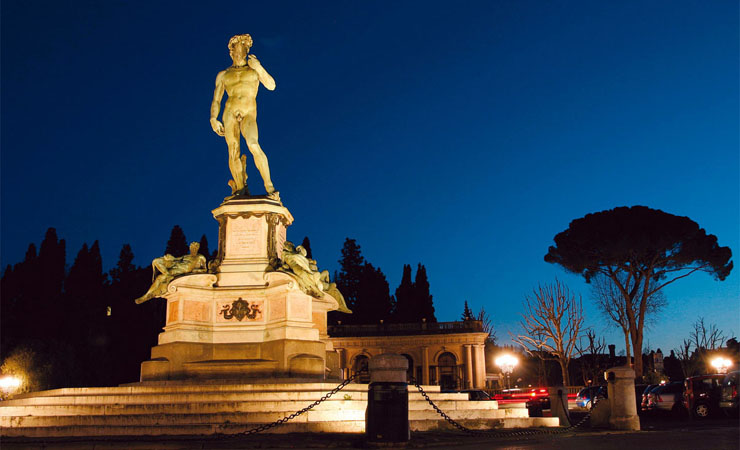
[
  {"x": 191, "y": 397},
  {"x": 348, "y": 426},
  {"x": 185, "y": 408},
  {"x": 162, "y": 419},
  {"x": 345, "y": 426},
  {"x": 180, "y": 388},
  {"x": 283, "y": 408},
  {"x": 354, "y": 426}
]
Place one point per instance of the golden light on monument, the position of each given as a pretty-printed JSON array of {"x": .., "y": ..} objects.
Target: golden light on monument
[
  {"x": 721, "y": 364},
  {"x": 506, "y": 363}
]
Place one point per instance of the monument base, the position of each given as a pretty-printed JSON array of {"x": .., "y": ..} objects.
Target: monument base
[
  {"x": 281, "y": 359},
  {"x": 249, "y": 317}
]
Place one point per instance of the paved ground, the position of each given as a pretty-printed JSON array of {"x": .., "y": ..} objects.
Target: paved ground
[{"x": 662, "y": 432}]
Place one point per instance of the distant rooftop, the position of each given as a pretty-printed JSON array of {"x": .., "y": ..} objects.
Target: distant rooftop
[{"x": 405, "y": 329}]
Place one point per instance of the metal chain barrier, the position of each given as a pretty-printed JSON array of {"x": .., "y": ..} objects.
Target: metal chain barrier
[
  {"x": 267, "y": 426},
  {"x": 496, "y": 433}
]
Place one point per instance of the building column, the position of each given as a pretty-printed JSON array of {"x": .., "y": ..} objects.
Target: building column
[
  {"x": 343, "y": 362},
  {"x": 468, "y": 366},
  {"x": 436, "y": 374},
  {"x": 479, "y": 376},
  {"x": 425, "y": 366}
]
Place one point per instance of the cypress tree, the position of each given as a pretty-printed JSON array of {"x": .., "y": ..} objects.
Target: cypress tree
[
  {"x": 307, "y": 245},
  {"x": 27, "y": 287},
  {"x": 204, "y": 250},
  {"x": 133, "y": 327},
  {"x": 348, "y": 280},
  {"x": 422, "y": 297},
  {"x": 467, "y": 313},
  {"x": 177, "y": 245},
  {"x": 404, "y": 298},
  {"x": 51, "y": 266},
  {"x": 9, "y": 320},
  {"x": 374, "y": 302}
]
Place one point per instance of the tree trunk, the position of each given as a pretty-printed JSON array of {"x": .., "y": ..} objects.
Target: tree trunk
[
  {"x": 564, "y": 370},
  {"x": 637, "y": 351},
  {"x": 627, "y": 347}
]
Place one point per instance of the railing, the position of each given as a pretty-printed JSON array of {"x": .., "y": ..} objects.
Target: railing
[{"x": 398, "y": 329}]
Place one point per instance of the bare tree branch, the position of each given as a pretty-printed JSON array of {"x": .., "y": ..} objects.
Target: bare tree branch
[{"x": 552, "y": 322}]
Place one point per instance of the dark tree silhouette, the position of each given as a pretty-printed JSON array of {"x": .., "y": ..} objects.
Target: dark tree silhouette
[
  {"x": 134, "y": 328},
  {"x": 641, "y": 250},
  {"x": 307, "y": 245},
  {"x": 177, "y": 245},
  {"x": 204, "y": 250},
  {"x": 348, "y": 280},
  {"x": 374, "y": 302},
  {"x": 422, "y": 297},
  {"x": 405, "y": 308},
  {"x": 467, "y": 312},
  {"x": 51, "y": 268}
]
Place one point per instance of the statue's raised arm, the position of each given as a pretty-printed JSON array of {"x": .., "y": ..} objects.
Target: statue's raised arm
[
  {"x": 265, "y": 78},
  {"x": 241, "y": 82}
]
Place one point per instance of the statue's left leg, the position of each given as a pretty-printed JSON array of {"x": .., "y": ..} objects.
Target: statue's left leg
[{"x": 249, "y": 130}]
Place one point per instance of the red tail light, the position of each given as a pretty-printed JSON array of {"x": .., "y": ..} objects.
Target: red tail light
[{"x": 658, "y": 398}]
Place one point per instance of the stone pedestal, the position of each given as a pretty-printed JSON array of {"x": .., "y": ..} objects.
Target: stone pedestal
[
  {"x": 559, "y": 404},
  {"x": 244, "y": 319},
  {"x": 621, "y": 392}
]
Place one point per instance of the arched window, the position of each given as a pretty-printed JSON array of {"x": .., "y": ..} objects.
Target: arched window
[{"x": 448, "y": 378}]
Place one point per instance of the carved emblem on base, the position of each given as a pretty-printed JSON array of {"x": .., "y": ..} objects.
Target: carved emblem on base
[{"x": 239, "y": 310}]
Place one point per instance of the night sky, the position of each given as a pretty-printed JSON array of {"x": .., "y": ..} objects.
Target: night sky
[{"x": 459, "y": 135}]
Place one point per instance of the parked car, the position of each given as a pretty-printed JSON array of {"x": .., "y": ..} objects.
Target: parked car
[
  {"x": 666, "y": 398},
  {"x": 477, "y": 394},
  {"x": 645, "y": 393},
  {"x": 703, "y": 395},
  {"x": 728, "y": 401},
  {"x": 639, "y": 389},
  {"x": 587, "y": 395}
]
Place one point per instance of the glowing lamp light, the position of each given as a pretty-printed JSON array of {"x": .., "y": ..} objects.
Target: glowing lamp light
[
  {"x": 9, "y": 383},
  {"x": 507, "y": 364},
  {"x": 721, "y": 364}
]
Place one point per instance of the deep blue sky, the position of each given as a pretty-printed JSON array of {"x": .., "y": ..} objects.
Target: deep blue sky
[{"x": 461, "y": 135}]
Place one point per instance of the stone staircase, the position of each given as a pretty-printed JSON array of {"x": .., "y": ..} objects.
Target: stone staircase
[{"x": 185, "y": 408}]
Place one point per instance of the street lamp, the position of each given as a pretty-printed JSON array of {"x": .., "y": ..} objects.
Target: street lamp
[
  {"x": 507, "y": 364},
  {"x": 9, "y": 384},
  {"x": 721, "y": 364}
]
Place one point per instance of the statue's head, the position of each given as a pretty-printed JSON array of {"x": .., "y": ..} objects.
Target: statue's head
[
  {"x": 194, "y": 247},
  {"x": 239, "y": 46}
]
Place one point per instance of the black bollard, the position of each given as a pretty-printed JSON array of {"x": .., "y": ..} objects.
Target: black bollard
[{"x": 387, "y": 417}]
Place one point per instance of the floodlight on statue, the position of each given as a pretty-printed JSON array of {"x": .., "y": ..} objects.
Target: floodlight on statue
[
  {"x": 9, "y": 384},
  {"x": 721, "y": 364},
  {"x": 506, "y": 363}
]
